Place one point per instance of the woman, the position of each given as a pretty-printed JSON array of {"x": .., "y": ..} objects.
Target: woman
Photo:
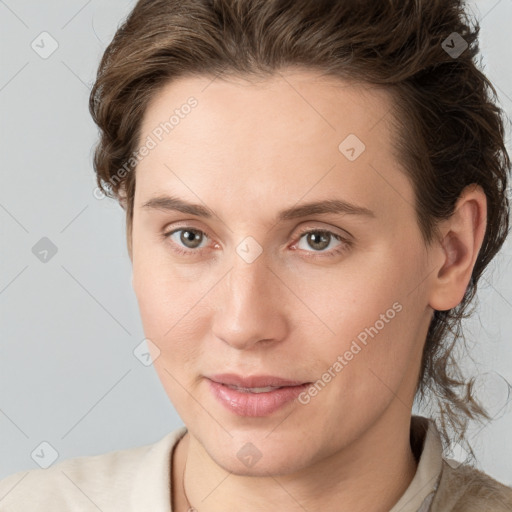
[{"x": 312, "y": 190}]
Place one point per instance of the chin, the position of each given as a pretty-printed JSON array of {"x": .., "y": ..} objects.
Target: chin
[{"x": 260, "y": 458}]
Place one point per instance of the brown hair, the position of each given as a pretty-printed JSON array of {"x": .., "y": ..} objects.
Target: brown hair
[{"x": 450, "y": 131}]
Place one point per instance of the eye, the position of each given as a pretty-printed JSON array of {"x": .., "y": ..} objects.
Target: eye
[
  {"x": 187, "y": 241},
  {"x": 320, "y": 239}
]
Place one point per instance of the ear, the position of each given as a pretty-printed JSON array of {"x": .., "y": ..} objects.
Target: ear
[{"x": 457, "y": 250}]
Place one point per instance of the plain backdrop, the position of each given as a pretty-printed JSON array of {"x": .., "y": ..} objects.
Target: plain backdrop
[{"x": 70, "y": 324}]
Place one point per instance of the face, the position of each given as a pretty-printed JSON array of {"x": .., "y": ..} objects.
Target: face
[{"x": 332, "y": 298}]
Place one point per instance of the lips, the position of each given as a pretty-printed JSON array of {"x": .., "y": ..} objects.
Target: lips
[{"x": 259, "y": 395}]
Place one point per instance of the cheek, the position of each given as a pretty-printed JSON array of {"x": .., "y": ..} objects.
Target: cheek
[
  {"x": 164, "y": 298},
  {"x": 172, "y": 310},
  {"x": 171, "y": 317},
  {"x": 374, "y": 316},
  {"x": 173, "y": 325}
]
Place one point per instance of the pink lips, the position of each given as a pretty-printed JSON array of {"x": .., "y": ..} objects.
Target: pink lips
[{"x": 243, "y": 402}]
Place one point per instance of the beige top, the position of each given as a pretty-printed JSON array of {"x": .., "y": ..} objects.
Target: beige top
[{"x": 138, "y": 479}]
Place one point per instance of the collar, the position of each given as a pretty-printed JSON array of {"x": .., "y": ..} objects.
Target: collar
[
  {"x": 426, "y": 443},
  {"x": 151, "y": 485}
]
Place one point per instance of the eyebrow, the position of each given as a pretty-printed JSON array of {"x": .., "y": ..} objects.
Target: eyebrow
[{"x": 336, "y": 206}]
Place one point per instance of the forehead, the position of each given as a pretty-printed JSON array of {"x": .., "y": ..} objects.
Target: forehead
[
  {"x": 321, "y": 102},
  {"x": 254, "y": 136}
]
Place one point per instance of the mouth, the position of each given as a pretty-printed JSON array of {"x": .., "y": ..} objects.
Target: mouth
[
  {"x": 255, "y": 390},
  {"x": 254, "y": 381},
  {"x": 256, "y": 395}
]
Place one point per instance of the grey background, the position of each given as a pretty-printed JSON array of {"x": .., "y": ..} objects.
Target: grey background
[{"x": 69, "y": 326}]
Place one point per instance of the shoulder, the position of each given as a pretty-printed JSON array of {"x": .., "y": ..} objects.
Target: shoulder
[
  {"x": 464, "y": 488},
  {"x": 96, "y": 482},
  {"x": 70, "y": 482}
]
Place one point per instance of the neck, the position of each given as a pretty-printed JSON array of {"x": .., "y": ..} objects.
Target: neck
[{"x": 370, "y": 474}]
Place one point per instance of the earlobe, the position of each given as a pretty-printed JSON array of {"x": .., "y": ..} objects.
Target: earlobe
[{"x": 462, "y": 238}]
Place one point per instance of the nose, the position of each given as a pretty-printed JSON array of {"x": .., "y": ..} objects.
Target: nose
[{"x": 250, "y": 306}]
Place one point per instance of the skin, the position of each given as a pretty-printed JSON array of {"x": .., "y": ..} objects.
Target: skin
[{"x": 248, "y": 150}]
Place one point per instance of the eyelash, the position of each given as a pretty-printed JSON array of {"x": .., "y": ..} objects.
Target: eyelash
[{"x": 344, "y": 246}]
